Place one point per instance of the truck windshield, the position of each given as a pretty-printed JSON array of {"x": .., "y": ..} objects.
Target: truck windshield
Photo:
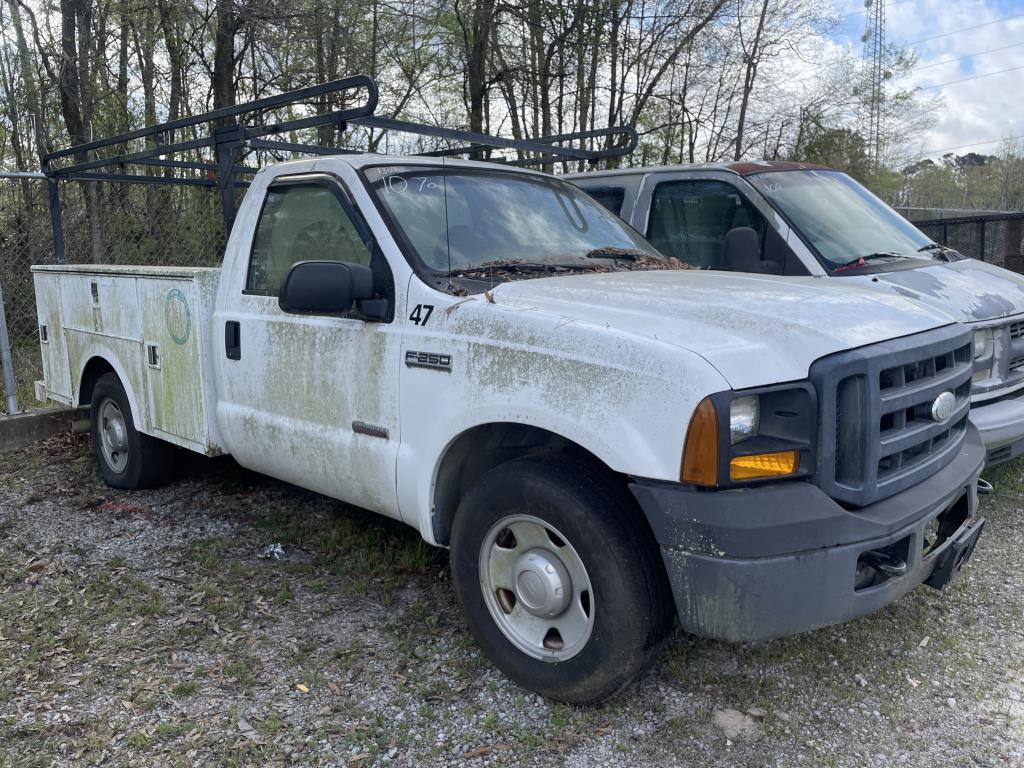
[
  {"x": 839, "y": 218},
  {"x": 469, "y": 220}
]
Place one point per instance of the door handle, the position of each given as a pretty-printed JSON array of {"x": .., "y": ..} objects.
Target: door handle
[{"x": 233, "y": 340}]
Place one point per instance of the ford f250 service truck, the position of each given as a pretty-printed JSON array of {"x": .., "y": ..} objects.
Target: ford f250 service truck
[
  {"x": 604, "y": 441},
  {"x": 799, "y": 219}
]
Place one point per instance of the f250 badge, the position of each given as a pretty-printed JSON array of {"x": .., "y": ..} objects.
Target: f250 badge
[{"x": 433, "y": 360}]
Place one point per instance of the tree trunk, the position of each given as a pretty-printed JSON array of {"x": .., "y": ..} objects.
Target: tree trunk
[
  {"x": 224, "y": 58},
  {"x": 748, "y": 80},
  {"x": 476, "y": 64}
]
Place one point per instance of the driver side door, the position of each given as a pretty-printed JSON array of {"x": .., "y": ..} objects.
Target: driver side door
[{"x": 310, "y": 399}]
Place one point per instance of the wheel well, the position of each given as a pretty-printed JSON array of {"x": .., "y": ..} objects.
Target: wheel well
[
  {"x": 482, "y": 448},
  {"x": 94, "y": 369}
]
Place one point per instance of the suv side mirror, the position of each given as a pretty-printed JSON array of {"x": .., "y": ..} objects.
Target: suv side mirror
[
  {"x": 324, "y": 287},
  {"x": 742, "y": 251}
]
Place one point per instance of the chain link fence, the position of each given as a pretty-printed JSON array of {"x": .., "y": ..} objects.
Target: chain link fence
[
  {"x": 105, "y": 223},
  {"x": 121, "y": 223},
  {"x": 996, "y": 238}
]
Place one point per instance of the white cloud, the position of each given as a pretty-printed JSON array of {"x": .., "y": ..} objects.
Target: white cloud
[{"x": 985, "y": 109}]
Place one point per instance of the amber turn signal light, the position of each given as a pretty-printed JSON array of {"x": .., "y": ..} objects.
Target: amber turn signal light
[
  {"x": 764, "y": 465},
  {"x": 700, "y": 451}
]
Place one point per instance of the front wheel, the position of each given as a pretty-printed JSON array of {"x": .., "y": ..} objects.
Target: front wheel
[
  {"x": 127, "y": 458},
  {"x": 559, "y": 578}
]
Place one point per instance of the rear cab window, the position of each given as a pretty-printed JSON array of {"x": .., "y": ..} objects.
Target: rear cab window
[{"x": 610, "y": 197}]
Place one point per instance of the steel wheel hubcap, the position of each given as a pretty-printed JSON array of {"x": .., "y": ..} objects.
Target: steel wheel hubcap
[
  {"x": 113, "y": 435},
  {"x": 536, "y": 588}
]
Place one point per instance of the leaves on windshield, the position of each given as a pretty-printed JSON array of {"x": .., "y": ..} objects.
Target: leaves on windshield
[
  {"x": 614, "y": 252},
  {"x": 505, "y": 269}
]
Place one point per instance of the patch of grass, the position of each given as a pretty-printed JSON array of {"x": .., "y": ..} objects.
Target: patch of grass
[
  {"x": 172, "y": 730},
  {"x": 284, "y": 593},
  {"x": 138, "y": 740},
  {"x": 185, "y": 689},
  {"x": 244, "y": 669}
]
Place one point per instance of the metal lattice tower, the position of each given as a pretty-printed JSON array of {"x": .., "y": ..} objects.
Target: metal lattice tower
[{"x": 874, "y": 57}]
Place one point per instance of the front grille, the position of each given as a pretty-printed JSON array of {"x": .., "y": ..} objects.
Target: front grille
[
  {"x": 884, "y": 436},
  {"x": 1017, "y": 329}
]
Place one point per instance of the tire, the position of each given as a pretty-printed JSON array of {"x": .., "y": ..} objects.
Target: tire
[
  {"x": 530, "y": 524},
  {"x": 127, "y": 458}
]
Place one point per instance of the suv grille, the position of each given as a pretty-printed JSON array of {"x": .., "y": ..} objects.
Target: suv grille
[{"x": 885, "y": 437}]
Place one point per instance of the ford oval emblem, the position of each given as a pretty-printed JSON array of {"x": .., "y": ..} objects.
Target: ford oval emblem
[{"x": 943, "y": 406}]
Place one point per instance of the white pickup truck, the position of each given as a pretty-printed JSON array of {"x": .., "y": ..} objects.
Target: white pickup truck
[
  {"x": 801, "y": 219},
  {"x": 604, "y": 441}
]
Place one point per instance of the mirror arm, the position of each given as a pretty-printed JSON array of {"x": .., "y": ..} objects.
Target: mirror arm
[{"x": 373, "y": 309}]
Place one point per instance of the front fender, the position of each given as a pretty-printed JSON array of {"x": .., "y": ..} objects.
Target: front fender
[{"x": 627, "y": 403}]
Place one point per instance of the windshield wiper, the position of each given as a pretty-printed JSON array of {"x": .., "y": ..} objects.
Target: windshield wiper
[
  {"x": 943, "y": 252},
  {"x": 614, "y": 252},
  {"x": 862, "y": 261}
]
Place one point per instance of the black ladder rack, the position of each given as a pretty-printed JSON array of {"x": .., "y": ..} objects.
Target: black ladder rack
[{"x": 108, "y": 159}]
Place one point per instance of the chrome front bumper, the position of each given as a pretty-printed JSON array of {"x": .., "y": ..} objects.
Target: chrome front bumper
[{"x": 1001, "y": 425}]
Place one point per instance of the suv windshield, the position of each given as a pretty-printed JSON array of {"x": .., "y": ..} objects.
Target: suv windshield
[
  {"x": 473, "y": 220},
  {"x": 839, "y": 218}
]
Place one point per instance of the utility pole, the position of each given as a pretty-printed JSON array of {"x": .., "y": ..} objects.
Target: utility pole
[{"x": 874, "y": 58}]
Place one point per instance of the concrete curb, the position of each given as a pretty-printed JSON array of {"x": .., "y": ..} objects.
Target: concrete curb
[{"x": 25, "y": 428}]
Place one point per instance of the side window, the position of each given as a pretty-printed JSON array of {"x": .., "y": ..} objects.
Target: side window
[
  {"x": 300, "y": 222},
  {"x": 690, "y": 219},
  {"x": 610, "y": 197}
]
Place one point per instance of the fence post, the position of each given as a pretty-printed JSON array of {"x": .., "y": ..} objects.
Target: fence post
[
  {"x": 56, "y": 220},
  {"x": 981, "y": 240},
  {"x": 1013, "y": 259},
  {"x": 5, "y": 360}
]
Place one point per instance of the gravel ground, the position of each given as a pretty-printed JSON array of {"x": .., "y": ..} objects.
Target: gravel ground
[{"x": 143, "y": 629}]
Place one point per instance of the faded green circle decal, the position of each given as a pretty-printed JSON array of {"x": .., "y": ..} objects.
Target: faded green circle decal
[{"x": 177, "y": 316}]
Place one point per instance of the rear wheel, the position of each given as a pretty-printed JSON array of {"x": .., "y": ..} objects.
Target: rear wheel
[
  {"x": 127, "y": 458},
  {"x": 559, "y": 577}
]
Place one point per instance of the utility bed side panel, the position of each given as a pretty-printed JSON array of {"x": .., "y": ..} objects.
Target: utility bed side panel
[{"x": 152, "y": 325}]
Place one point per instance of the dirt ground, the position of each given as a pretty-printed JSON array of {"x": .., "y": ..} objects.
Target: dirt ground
[{"x": 144, "y": 629}]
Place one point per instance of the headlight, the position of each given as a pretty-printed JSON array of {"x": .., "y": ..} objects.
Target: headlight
[
  {"x": 771, "y": 435},
  {"x": 744, "y": 418},
  {"x": 982, "y": 343}
]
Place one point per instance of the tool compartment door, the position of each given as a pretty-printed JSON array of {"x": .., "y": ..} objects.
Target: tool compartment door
[
  {"x": 54, "y": 350},
  {"x": 171, "y": 329}
]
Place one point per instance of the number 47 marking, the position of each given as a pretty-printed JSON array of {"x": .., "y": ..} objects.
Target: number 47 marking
[{"x": 422, "y": 313}]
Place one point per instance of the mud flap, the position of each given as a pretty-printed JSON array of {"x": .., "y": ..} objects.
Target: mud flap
[{"x": 952, "y": 560}]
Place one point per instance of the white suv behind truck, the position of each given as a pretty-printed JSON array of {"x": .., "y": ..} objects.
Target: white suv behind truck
[{"x": 604, "y": 441}]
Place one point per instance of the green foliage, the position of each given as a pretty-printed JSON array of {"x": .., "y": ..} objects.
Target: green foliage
[{"x": 840, "y": 148}]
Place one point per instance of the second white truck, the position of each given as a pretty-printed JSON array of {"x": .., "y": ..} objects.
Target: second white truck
[
  {"x": 604, "y": 441},
  {"x": 803, "y": 220}
]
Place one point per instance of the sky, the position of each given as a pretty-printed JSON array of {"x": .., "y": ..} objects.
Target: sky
[{"x": 977, "y": 114}]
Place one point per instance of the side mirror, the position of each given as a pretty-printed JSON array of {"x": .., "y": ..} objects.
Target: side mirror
[
  {"x": 742, "y": 252},
  {"x": 324, "y": 287}
]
